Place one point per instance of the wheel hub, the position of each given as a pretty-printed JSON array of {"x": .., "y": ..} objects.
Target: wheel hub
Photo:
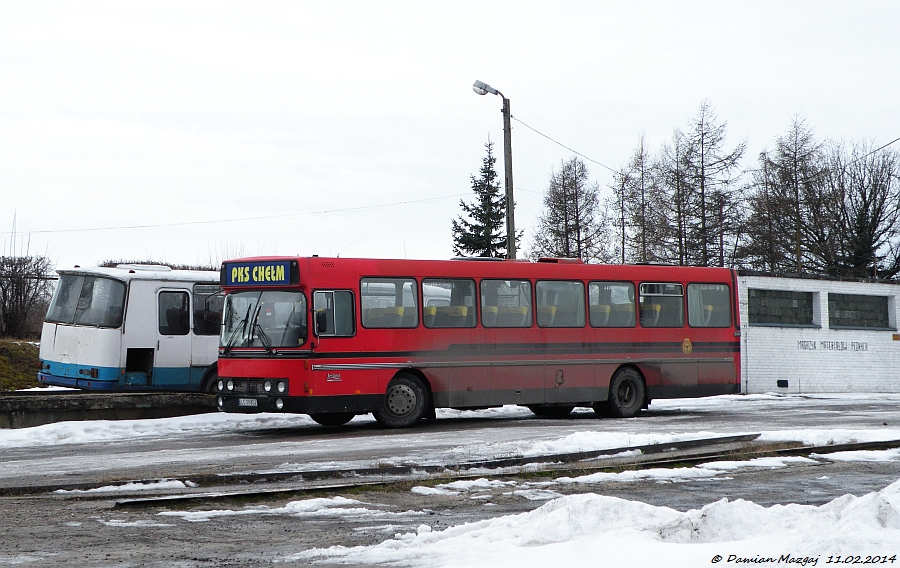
[{"x": 401, "y": 400}]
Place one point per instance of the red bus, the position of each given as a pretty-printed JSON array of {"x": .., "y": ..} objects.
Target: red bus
[{"x": 337, "y": 337}]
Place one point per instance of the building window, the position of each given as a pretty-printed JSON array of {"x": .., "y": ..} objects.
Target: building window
[
  {"x": 855, "y": 311},
  {"x": 780, "y": 308}
]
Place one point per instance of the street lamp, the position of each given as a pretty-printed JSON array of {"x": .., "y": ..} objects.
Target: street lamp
[{"x": 484, "y": 89}]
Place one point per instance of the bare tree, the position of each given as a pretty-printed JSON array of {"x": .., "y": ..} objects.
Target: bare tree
[
  {"x": 783, "y": 198},
  {"x": 709, "y": 202},
  {"x": 25, "y": 288},
  {"x": 673, "y": 168},
  {"x": 571, "y": 225},
  {"x": 644, "y": 208},
  {"x": 864, "y": 183}
]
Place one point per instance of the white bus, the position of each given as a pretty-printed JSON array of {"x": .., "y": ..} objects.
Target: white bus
[{"x": 132, "y": 328}]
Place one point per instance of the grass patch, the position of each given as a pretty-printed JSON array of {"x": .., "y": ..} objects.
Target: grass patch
[{"x": 18, "y": 365}]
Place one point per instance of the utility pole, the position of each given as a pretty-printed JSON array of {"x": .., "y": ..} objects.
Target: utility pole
[{"x": 483, "y": 89}]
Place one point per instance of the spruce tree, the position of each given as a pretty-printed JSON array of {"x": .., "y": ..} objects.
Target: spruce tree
[{"x": 481, "y": 230}]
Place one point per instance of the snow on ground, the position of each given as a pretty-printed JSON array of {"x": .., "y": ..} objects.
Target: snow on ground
[
  {"x": 593, "y": 530},
  {"x": 589, "y": 529}
]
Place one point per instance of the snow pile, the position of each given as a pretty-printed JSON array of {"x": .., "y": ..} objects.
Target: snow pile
[
  {"x": 589, "y": 528},
  {"x": 322, "y": 507},
  {"x": 92, "y": 431},
  {"x": 133, "y": 486}
]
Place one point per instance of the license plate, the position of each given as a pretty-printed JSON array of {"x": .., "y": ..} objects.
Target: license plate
[{"x": 246, "y": 402}]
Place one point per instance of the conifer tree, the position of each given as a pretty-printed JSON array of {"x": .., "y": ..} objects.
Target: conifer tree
[{"x": 481, "y": 230}]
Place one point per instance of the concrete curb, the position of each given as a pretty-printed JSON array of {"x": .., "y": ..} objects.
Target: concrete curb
[{"x": 33, "y": 409}]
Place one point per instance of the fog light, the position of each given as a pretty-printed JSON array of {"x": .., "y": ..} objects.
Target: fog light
[
  {"x": 279, "y": 404},
  {"x": 267, "y": 386},
  {"x": 282, "y": 386},
  {"x": 220, "y": 402},
  {"x": 230, "y": 385},
  {"x": 221, "y": 385}
]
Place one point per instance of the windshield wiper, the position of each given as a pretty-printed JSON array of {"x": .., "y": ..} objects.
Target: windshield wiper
[
  {"x": 263, "y": 338},
  {"x": 255, "y": 327},
  {"x": 242, "y": 326}
]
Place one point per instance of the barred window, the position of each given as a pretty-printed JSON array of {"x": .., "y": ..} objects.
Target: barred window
[
  {"x": 780, "y": 307},
  {"x": 856, "y": 311}
]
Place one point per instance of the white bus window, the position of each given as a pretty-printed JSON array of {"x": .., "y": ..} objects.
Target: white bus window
[
  {"x": 208, "y": 305},
  {"x": 174, "y": 313},
  {"x": 87, "y": 300}
]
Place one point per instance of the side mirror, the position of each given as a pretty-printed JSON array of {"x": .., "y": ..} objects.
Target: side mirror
[{"x": 321, "y": 322}]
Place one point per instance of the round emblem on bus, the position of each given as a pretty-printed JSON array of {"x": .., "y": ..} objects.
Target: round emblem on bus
[{"x": 687, "y": 346}]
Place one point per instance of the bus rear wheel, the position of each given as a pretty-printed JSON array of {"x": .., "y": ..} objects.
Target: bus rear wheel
[
  {"x": 209, "y": 383},
  {"x": 626, "y": 395},
  {"x": 546, "y": 411},
  {"x": 332, "y": 418},
  {"x": 405, "y": 402}
]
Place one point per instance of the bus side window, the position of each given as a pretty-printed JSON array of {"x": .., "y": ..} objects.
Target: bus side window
[
  {"x": 334, "y": 313},
  {"x": 506, "y": 303},
  {"x": 662, "y": 305},
  {"x": 208, "y": 306},
  {"x": 709, "y": 305},
  {"x": 448, "y": 303},
  {"x": 611, "y": 304},
  {"x": 560, "y": 303},
  {"x": 389, "y": 302},
  {"x": 174, "y": 314}
]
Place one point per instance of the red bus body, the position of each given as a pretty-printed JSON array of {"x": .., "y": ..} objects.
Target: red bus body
[{"x": 479, "y": 366}]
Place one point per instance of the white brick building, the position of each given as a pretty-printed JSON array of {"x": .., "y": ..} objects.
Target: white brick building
[{"x": 805, "y": 335}]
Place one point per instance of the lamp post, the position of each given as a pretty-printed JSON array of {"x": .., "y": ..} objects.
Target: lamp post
[{"x": 484, "y": 89}]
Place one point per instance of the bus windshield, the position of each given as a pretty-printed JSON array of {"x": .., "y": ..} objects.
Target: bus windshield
[
  {"x": 87, "y": 300},
  {"x": 264, "y": 319}
]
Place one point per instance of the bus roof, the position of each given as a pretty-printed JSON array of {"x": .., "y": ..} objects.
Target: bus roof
[
  {"x": 504, "y": 269},
  {"x": 128, "y": 272}
]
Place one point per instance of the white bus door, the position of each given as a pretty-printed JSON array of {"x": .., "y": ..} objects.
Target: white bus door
[{"x": 172, "y": 364}]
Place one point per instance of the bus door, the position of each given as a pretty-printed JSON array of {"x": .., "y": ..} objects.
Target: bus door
[{"x": 172, "y": 364}]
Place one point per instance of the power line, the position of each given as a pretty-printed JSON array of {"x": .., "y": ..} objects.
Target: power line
[
  {"x": 564, "y": 146},
  {"x": 236, "y": 219}
]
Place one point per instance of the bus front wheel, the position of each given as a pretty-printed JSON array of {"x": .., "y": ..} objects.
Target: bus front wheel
[
  {"x": 405, "y": 402},
  {"x": 332, "y": 418},
  {"x": 626, "y": 395},
  {"x": 549, "y": 411}
]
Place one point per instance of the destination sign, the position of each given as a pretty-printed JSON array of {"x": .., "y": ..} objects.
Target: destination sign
[{"x": 259, "y": 273}]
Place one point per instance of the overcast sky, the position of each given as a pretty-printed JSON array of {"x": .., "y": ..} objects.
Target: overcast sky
[{"x": 192, "y": 132}]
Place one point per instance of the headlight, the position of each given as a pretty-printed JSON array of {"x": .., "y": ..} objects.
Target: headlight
[
  {"x": 221, "y": 385},
  {"x": 279, "y": 404},
  {"x": 267, "y": 386},
  {"x": 282, "y": 386},
  {"x": 230, "y": 385}
]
